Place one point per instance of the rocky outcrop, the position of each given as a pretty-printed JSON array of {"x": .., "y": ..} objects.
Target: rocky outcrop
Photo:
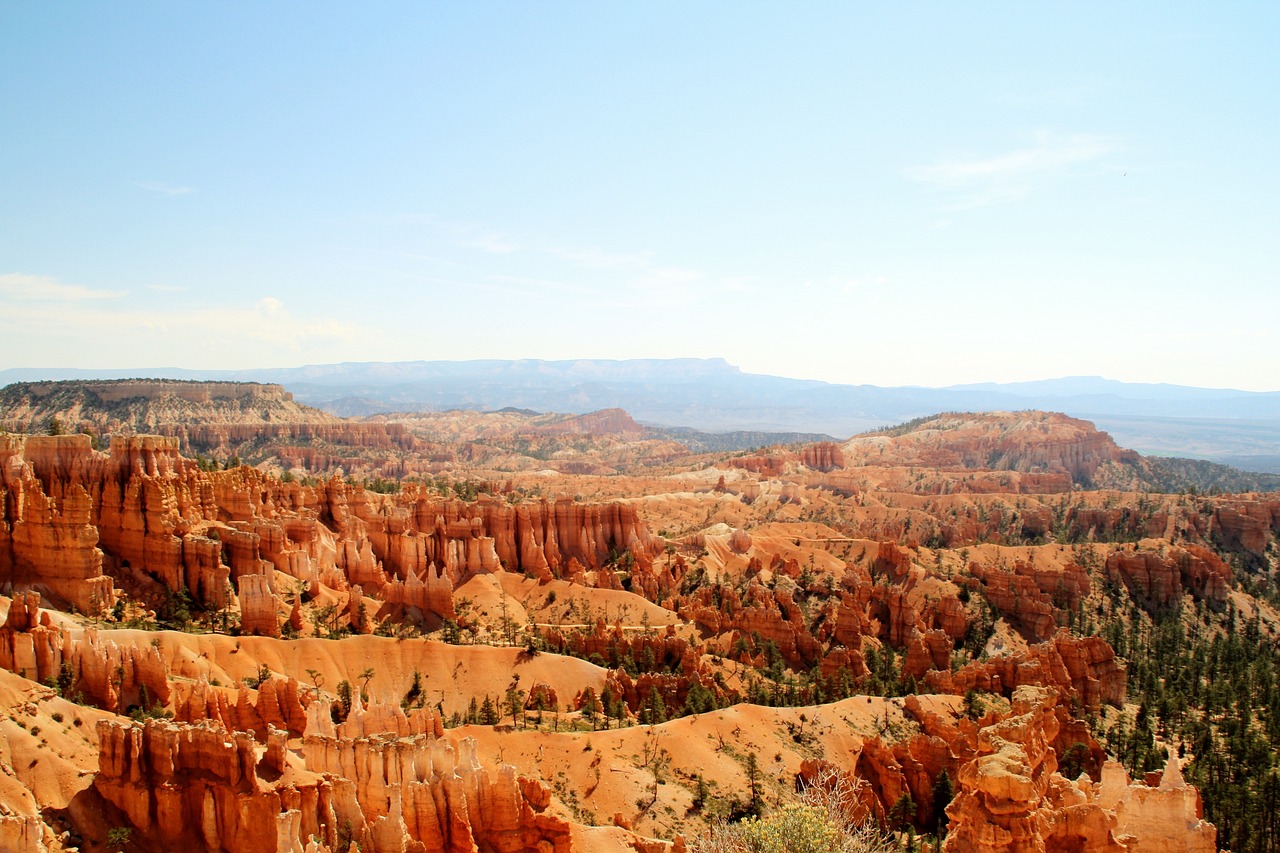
[
  {"x": 1158, "y": 578},
  {"x": 121, "y": 390},
  {"x": 1250, "y": 525},
  {"x": 277, "y": 702},
  {"x": 47, "y": 537},
  {"x": 204, "y": 787},
  {"x": 1035, "y": 600},
  {"x": 143, "y": 511},
  {"x": 1012, "y": 799},
  {"x": 1007, "y": 441},
  {"x": 760, "y": 615},
  {"x": 1085, "y": 669},
  {"x": 84, "y": 664},
  {"x": 259, "y": 607},
  {"x": 224, "y": 437},
  {"x": 22, "y": 834},
  {"x": 215, "y": 417},
  {"x": 1164, "y": 818},
  {"x": 603, "y": 422},
  {"x": 822, "y": 456},
  {"x": 434, "y": 794}
]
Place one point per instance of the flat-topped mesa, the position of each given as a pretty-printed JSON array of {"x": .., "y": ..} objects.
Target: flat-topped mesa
[
  {"x": 603, "y": 422},
  {"x": 1012, "y": 441},
  {"x": 141, "y": 405},
  {"x": 194, "y": 391}
]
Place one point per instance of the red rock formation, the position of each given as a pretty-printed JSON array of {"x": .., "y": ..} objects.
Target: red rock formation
[
  {"x": 1011, "y": 799},
  {"x": 1159, "y": 579},
  {"x": 1248, "y": 524},
  {"x": 435, "y": 793},
  {"x": 106, "y": 674},
  {"x": 739, "y": 541},
  {"x": 1017, "y": 441},
  {"x": 432, "y": 592},
  {"x": 1166, "y": 816},
  {"x": 278, "y": 702},
  {"x": 259, "y": 607},
  {"x": 603, "y": 422},
  {"x": 1034, "y": 600},
  {"x": 157, "y": 516},
  {"x": 822, "y": 456},
  {"x": 1081, "y": 668},
  {"x": 772, "y": 465},
  {"x": 47, "y": 539},
  {"x": 1009, "y": 795},
  {"x": 204, "y": 787},
  {"x": 764, "y": 613},
  {"x": 22, "y": 834}
]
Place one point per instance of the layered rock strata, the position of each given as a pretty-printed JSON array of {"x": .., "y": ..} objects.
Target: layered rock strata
[{"x": 206, "y": 787}]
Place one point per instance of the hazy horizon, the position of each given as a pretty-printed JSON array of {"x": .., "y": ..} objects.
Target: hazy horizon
[
  {"x": 914, "y": 195},
  {"x": 37, "y": 373}
]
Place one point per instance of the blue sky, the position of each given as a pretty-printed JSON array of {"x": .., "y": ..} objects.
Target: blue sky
[{"x": 892, "y": 193}]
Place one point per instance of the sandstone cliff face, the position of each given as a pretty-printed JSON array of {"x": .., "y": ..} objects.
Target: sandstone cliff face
[
  {"x": 1012, "y": 799},
  {"x": 22, "y": 834},
  {"x": 1021, "y": 441},
  {"x": 822, "y": 456},
  {"x": 1249, "y": 524},
  {"x": 111, "y": 676},
  {"x": 278, "y": 702},
  {"x": 1154, "y": 819},
  {"x": 206, "y": 787},
  {"x": 1081, "y": 668},
  {"x": 143, "y": 510},
  {"x": 47, "y": 538},
  {"x": 1158, "y": 578},
  {"x": 1036, "y": 600}
]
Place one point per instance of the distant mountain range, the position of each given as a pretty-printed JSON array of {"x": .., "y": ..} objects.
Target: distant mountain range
[{"x": 1239, "y": 428}]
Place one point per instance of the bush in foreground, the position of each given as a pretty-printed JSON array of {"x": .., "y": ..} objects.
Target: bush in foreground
[{"x": 823, "y": 821}]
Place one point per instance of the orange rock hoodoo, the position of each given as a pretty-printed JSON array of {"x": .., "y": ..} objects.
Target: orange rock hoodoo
[
  {"x": 206, "y": 787},
  {"x": 69, "y": 511},
  {"x": 1012, "y": 799}
]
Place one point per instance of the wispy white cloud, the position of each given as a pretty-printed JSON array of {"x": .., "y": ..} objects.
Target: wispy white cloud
[
  {"x": 72, "y": 323},
  {"x": 529, "y": 284},
  {"x": 491, "y": 243},
  {"x": 601, "y": 259},
  {"x": 162, "y": 188},
  {"x": 167, "y": 288},
  {"x": 973, "y": 182},
  {"x": 43, "y": 288}
]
